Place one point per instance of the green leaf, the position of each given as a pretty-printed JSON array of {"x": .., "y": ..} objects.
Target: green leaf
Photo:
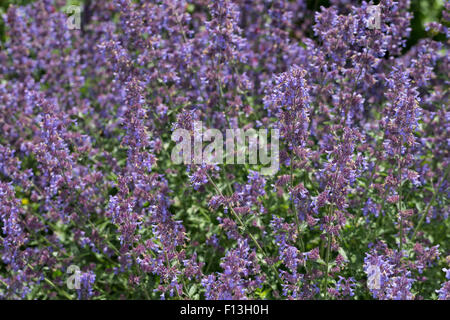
[{"x": 342, "y": 253}]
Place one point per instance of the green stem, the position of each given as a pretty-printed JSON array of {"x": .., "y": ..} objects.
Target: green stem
[
  {"x": 144, "y": 280},
  {"x": 4, "y": 283},
  {"x": 61, "y": 292},
  {"x": 327, "y": 257},
  {"x": 293, "y": 207},
  {"x": 400, "y": 201}
]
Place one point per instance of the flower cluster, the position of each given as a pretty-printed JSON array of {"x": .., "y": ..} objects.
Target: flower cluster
[{"x": 357, "y": 210}]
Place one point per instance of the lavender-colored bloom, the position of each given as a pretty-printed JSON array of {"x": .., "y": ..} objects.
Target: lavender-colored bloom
[{"x": 85, "y": 175}]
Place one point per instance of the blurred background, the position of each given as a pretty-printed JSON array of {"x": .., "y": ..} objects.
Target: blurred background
[{"x": 424, "y": 11}]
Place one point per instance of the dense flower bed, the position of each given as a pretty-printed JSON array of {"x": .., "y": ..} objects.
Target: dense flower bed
[{"x": 93, "y": 207}]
